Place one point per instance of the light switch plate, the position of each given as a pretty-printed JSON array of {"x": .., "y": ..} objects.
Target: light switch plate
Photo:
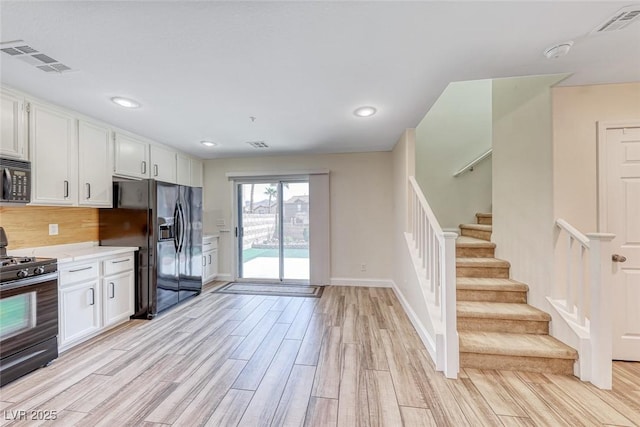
[{"x": 53, "y": 229}]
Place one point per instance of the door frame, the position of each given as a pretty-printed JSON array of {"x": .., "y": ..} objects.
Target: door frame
[
  {"x": 601, "y": 171},
  {"x": 261, "y": 179},
  {"x": 602, "y": 175}
]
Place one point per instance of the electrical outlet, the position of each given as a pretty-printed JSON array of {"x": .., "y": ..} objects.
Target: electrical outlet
[
  {"x": 363, "y": 267},
  {"x": 53, "y": 229}
]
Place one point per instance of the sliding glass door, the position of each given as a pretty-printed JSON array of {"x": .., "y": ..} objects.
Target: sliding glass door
[{"x": 273, "y": 230}]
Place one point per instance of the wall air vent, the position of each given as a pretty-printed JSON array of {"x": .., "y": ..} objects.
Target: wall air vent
[
  {"x": 621, "y": 19},
  {"x": 258, "y": 144},
  {"x": 20, "y": 50}
]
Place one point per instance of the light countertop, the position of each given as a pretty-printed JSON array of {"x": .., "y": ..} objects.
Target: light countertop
[{"x": 73, "y": 252}]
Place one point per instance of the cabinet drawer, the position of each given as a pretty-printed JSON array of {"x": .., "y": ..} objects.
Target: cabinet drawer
[
  {"x": 79, "y": 272},
  {"x": 117, "y": 265},
  {"x": 209, "y": 243}
]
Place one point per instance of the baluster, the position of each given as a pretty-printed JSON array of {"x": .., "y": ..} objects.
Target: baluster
[
  {"x": 568, "y": 293},
  {"x": 582, "y": 289}
]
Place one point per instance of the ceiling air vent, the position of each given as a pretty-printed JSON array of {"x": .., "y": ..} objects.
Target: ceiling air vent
[
  {"x": 621, "y": 19},
  {"x": 258, "y": 144},
  {"x": 20, "y": 50}
]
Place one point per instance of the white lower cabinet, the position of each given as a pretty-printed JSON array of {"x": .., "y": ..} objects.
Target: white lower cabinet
[
  {"x": 117, "y": 297},
  {"x": 79, "y": 304},
  {"x": 209, "y": 258},
  {"x": 94, "y": 295}
]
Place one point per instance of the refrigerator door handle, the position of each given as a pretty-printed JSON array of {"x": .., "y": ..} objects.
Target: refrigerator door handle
[
  {"x": 176, "y": 228},
  {"x": 182, "y": 228}
]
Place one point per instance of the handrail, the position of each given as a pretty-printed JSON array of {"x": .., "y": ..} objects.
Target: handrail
[
  {"x": 469, "y": 166},
  {"x": 436, "y": 255},
  {"x": 584, "y": 241}
]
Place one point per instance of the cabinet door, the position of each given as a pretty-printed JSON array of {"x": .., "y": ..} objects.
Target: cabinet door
[
  {"x": 94, "y": 166},
  {"x": 131, "y": 157},
  {"x": 54, "y": 156},
  {"x": 163, "y": 163},
  {"x": 213, "y": 267},
  {"x": 197, "y": 178},
  {"x": 206, "y": 267},
  {"x": 79, "y": 311},
  {"x": 118, "y": 298},
  {"x": 183, "y": 170},
  {"x": 12, "y": 132}
]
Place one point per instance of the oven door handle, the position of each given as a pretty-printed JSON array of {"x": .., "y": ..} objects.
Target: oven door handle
[{"x": 35, "y": 280}]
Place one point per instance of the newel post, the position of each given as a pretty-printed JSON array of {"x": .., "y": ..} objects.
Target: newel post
[
  {"x": 601, "y": 322},
  {"x": 452, "y": 348}
]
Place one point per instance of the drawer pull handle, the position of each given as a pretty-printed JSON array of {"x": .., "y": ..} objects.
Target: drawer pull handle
[
  {"x": 122, "y": 260},
  {"x": 80, "y": 269}
]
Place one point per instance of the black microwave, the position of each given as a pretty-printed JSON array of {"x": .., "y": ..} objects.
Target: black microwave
[{"x": 16, "y": 181}]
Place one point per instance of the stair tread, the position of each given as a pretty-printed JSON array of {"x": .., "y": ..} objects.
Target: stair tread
[
  {"x": 484, "y": 215},
  {"x": 481, "y": 262},
  {"x": 501, "y": 310},
  {"x": 472, "y": 242},
  {"x": 480, "y": 227},
  {"x": 490, "y": 284},
  {"x": 500, "y": 343}
]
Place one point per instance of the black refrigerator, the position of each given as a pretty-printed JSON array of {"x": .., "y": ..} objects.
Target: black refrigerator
[{"x": 165, "y": 221}]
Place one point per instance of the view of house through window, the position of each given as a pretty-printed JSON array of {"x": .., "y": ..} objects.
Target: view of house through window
[{"x": 273, "y": 241}]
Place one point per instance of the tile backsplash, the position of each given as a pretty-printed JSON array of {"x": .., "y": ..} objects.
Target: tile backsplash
[{"x": 28, "y": 226}]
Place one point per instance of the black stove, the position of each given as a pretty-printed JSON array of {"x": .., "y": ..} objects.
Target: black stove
[
  {"x": 29, "y": 307},
  {"x": 14, "y": 268}
]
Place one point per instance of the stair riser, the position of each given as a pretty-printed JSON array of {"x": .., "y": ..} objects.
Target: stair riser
[
  {"x": 476, "y": 324},
  {"x": 478, "y": 234},
  {"x": 484, "y": 220},
  {"x": 491, "y": 296},
  {"x": 475, "y": 252},
  {"x": 496, "y": 273},
  {"x": 517, "y": 363}
]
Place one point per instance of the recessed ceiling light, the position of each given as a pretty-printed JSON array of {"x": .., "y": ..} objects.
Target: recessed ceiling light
[
  {"x": 208, "y": 143},
  {"x": 125, "y": 102},
  {"x": 365, "y": 111},
  {"x": 558, "y": 50}
]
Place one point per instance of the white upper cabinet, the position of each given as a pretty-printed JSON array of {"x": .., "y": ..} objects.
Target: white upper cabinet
[
  {"x": 183, "y": 169},
  {"x": 163, "y": 164},
  {"x": 12, "y": 126},
  {"x": 197, "y": 179},
  {"x": 131, "y": 157},
  {"x": 94, "y": 166},
  {"x": 54, "y": 156}
]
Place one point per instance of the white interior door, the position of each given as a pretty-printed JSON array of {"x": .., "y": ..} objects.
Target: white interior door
[{"x": 621, "y": 216}]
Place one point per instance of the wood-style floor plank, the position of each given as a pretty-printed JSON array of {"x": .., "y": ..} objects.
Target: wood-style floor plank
[
  {"x": 417, "y": 417},
  {"x": 230, "y": 409},
  {"x": 292, "y": 408},
  {"x": 264, "y": 403},
  {"x": 322, "y": 412},
  {"x": 349, "y": 358}
]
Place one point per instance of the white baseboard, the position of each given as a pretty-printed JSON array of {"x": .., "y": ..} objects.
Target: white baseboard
[
  {"x": 428, "y": 342},
  {"x": 369, "y": 283},
  {"x": 223, "y": 277}
]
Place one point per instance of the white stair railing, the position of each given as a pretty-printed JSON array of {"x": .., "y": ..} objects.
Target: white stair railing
[
  {"x": 586, "y": 298},
  {"x": 436, "y": 251}
]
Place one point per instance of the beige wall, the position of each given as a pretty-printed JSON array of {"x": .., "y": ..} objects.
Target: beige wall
[
  {"x": 361, "y": 207},
  {"x": 523, "y": 182},
  {"x": 455, "y": 131},
  {"x": 404, "y": 275},
  {"x": 576, "y": 111}
]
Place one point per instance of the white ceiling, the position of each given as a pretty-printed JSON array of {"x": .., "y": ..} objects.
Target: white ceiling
[{"x": 201, "y": 69}]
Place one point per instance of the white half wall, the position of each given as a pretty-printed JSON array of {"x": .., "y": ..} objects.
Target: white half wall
[
  {"x": 361, "y": 208},
  {"x": 523, "y": 217},
  {"x": 455, "y": 131}
]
